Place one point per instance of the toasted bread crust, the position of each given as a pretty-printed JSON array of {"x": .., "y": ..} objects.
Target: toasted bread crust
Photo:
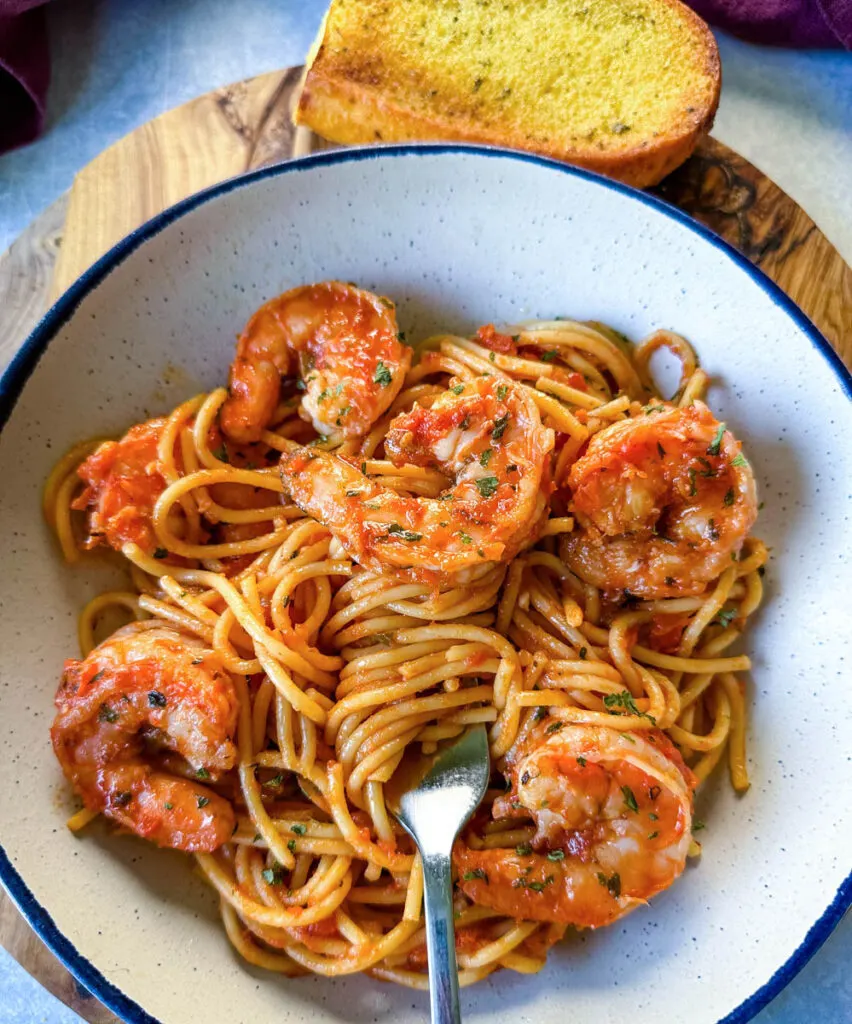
[{"x": 343, "y": 101}]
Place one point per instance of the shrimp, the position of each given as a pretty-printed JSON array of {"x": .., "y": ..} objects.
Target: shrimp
[
  {"x": 149, "y": 693},
  {"x": 345, "y": 344},
  {"x": 613, "y": 817},
  {"x": 663, "y": 501},
  {"x": 487, "y": 435},
  {"x": 123, "y": 481}
]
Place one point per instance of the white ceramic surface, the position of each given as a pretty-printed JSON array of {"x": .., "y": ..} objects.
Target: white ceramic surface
[{"x": 458, "y": 237}]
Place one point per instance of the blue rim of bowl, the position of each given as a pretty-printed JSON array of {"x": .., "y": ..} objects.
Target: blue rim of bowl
[{"x": 22, "y": 365}]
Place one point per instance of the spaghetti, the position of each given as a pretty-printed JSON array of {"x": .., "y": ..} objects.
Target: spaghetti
[{"x": 279, "y": 667}]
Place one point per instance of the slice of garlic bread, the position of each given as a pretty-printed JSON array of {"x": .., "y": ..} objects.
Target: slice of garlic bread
[{"x": 623, "y": 87}]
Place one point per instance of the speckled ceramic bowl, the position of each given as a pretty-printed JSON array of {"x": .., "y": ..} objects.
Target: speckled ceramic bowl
[{"x": 458, "y": 236}]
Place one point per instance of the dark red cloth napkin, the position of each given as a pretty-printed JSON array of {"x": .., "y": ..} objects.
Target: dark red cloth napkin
[
  {"x": 25, "y": 63},
  {"x": 24, "y": 71}
]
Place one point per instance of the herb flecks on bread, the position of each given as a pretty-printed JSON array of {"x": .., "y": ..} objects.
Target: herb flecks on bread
[{"x": 623, "y": 87}]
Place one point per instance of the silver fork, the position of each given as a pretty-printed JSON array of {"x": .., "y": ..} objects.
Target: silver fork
[{"x": 434, "y": 803}]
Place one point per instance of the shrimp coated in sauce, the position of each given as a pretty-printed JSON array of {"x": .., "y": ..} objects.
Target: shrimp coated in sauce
[
  {"x": 124, "y": 479},
  {"x": 146, "y": 694},
  {"x": 487, "y": 436},
  {"x": 663, "y": 501},
  {"x": 342, "y": 341},
  {"x": 612, "y": 814},
  {"x": 123, "y": 482}
]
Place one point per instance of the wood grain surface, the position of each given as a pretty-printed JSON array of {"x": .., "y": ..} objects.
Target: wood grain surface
[{"x": 247, "y": 125}]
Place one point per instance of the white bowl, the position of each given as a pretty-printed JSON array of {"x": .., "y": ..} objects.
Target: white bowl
[{"x": 458, "y": 236}]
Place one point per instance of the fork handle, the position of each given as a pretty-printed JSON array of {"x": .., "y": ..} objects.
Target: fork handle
[{"x": 441, "y": 939}]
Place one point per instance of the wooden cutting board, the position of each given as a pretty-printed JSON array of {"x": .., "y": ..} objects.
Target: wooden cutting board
[{"x": 248, "y": 125}]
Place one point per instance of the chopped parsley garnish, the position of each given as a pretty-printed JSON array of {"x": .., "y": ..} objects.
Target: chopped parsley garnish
[
  {"x": 364, "y": 468},
  {"x": 465, "y": 423},
  {"x": 654, "y": 792},
  {"x": 661, "y": 451},
  {"x": 583, "y": 652},
  {"x": 156, "y": 699},
  {"x": 477, "y": 873},
  {"x": 693, "y": 490},
  {"x": 321, "y": 397},
  {"x": 500, "y": 427},
  {"x": 549, "y": 355},
  {"x": 553, "y": 727},
  {"x": 408, "y": 535},
  {"x": 457, "y": 389},
  {"x": 276, "y": 780},
  {"x": 203, "y": 801},
  {"x": 299, "y": 829},
  {"x": 168, "y": 806},
  {"x": 98, "y": 675},
  {"x": 485, "y": 457},
  {"x": 492, "y": 357},
  {"x": 291, "y": 845},
  {"x": 729, "y": 497},
  {"x": 161, "y": 553},
  {"x": 524, "y": 850},
  {"x": 465, "y": 538},
  {"x": 652, "y": 816},
  {"x": 221, "y": 453},
  {"x": 202, "y": 773},
  {"x": 382, "y": 376},
  {"x": 625, "y": 700},
  {"x": 653, "y": 835},
  {"x": 630, "y": 799},
  {"x": 522, "y": 883},
  {"x": 716, "y": 444},
  {"x": 353, "y": 494},
  {"x": 556, "y": 855},
  {"x": 611, "y": 884},
  {"x": 343, "y": 412},
  {"x": 714, "y": 530},
  {"x": 581, "y": 761},
  {"x": 487, "y": 486},
  {"x": 540, "y": 714},
  {"x": 502, "y": 391},
  {"x": 107, "y": 714},
  {"x": 272, "y": 876},
  {"x": 739, "y": 460},
  {"x": 725, "y": 617},
  {"x": 698, "y": 825},
  {"x": 123, "y": 799}
]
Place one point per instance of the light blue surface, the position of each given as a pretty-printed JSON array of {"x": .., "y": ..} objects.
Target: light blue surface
[{"x": 117, "y": 64}]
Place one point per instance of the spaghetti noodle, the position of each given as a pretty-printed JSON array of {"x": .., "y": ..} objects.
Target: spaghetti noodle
[{"x": 278, "y": 667}]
